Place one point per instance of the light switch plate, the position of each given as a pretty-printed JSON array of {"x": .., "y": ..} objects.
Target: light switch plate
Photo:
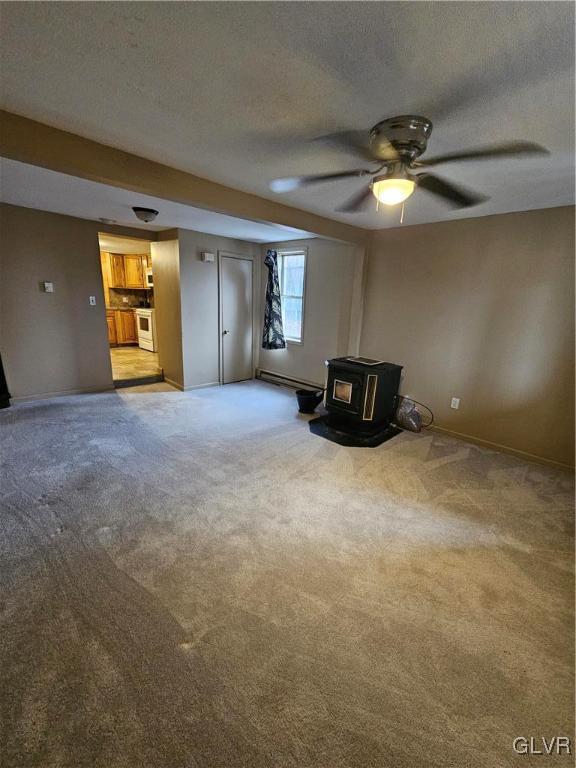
[
  {"x": 48, "y": 287},
  {"x": 455, "y": 403},
  {"x": 92, "y": 301}
]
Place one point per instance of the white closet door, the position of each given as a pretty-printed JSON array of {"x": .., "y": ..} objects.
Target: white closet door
[{"x": 236, "y": 318}]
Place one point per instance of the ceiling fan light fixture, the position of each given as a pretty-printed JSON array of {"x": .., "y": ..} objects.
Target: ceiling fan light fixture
[{"x": 392, "y": 190}]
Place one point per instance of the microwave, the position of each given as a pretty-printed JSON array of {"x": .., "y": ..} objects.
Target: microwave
[{"x": 149, "y": 279}]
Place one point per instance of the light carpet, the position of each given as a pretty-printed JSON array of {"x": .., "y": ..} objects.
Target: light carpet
[{"x": 193, "y": 579}]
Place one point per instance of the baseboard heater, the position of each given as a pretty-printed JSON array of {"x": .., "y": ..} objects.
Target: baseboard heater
[{"x": 286, "y": 381}]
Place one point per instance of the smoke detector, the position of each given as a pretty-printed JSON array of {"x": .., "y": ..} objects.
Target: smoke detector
[{"x": 145, "y": 214}]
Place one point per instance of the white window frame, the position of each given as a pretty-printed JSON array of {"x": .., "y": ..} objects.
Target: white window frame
[{"x": 294, "y": 252}]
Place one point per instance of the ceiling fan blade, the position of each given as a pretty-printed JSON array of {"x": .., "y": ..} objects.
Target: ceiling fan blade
[
  {"x": 509, "y": 149},
  {"x": 295, "y": 182},
  {"x": 352, "y": 142},
  {"x": 455, "y": 196},
  {"x": 357, "y": 202}
]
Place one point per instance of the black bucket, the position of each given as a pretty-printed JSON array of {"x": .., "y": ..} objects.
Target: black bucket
[{"x": 308, "y": 399}]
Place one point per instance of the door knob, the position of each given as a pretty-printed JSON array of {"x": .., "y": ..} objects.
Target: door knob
[{"x": 225, "y": 332}]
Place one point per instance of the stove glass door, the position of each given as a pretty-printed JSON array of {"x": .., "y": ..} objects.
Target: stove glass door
[{"x": 342, "y": 391}]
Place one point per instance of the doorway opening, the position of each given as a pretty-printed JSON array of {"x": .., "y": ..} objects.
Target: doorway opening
[{"x": 128, "y": 282}]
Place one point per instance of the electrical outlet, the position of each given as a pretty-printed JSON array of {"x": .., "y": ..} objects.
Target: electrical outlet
[
  {"x": 125, "y": 299},
  {"x": 455, "y": 403},
  {"x": 92, "y": 301},
  {"x": 48, "y": 287}
]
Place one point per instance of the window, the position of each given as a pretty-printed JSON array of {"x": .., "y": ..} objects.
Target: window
[{"x": 291, "y": 270}]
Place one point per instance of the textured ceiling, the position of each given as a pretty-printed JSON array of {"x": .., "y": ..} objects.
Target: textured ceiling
[
  {"x": 33, "y": 187},
  {"x": 235, "y": 92}
]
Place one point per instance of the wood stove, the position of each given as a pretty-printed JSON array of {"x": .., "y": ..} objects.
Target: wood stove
[{"x": 361, "y": 394}]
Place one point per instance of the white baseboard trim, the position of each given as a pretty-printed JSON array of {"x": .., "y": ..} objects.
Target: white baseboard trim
[
  {"x": 280, "y": 378},
  {"x": 201, "y": 386},
  {"x": 499, "y": 447},
  {"x": 192, "y": 387},
  {"x": 60, "y": 393}
]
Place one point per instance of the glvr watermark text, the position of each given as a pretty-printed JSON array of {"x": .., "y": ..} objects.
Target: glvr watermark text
[{"x": 540, "y": 745}]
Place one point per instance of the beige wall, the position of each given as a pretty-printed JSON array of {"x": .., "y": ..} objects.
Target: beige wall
[
  {"x": 332, "y": 276},
  {"x": 187, "y": 304},
  {"x": 52, "y": 342},
  {"x": 200, "y": 303},
  {"x": 166, "y": 271},
  {"x": 482, "y": 309}
]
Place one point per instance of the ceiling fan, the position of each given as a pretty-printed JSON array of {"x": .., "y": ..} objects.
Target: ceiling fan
[{"x": 396, "y": 145}]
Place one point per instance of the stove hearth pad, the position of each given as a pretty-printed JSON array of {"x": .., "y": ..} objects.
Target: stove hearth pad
[{"x": 323, "y": 428}]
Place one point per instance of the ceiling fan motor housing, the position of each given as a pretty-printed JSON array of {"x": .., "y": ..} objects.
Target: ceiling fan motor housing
[{"x": 408, "y": 134}]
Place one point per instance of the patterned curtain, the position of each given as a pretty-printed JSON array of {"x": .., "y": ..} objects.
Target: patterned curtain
[{"x": 273, "y": 336}]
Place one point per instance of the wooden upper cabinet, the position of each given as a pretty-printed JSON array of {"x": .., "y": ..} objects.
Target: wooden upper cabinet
[
  {"x": 123, "y": 271},
  {"x": 134, "y": 270},
  {"x": 117, "y": 270}
]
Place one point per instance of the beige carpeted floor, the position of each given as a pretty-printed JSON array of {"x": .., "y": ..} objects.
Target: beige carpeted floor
[{"x": 196, "y": 580}]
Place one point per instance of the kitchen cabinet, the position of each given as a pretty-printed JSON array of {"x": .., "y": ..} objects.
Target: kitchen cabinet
[
  {"x": 124, "y": 270},
  {"x": 111, "y": 320},
  {"x": 117, "y": 270},
  {"x": 122, "y": 328},
  {"x": 126, "y": 327},
  {"x": 134, "y": 271}
]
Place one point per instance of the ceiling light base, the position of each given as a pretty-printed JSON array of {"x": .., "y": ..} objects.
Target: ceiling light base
[{"x": 145, "y": 214}]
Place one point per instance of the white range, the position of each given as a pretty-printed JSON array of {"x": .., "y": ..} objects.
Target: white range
[{"x": 146, "y": 321}]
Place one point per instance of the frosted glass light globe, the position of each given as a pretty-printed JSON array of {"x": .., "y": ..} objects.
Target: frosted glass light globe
[{"x": 392, "y": 191}]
